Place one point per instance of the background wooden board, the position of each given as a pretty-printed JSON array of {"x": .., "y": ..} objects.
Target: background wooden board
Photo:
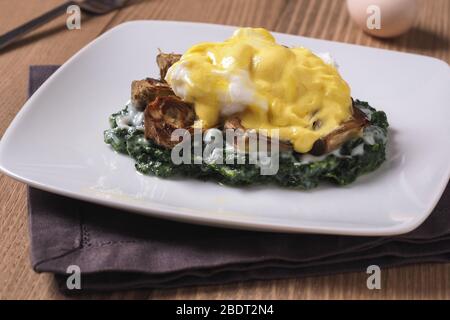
[{"x": 327, "y": 19}]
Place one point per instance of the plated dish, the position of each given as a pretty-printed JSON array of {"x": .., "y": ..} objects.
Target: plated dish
[
  {"x": 55, "y": 142},
  {"x": 252, "y": 84}
]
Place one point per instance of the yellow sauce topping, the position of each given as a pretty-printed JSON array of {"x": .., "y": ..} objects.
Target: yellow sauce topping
[{"x": 268, "y": 86}]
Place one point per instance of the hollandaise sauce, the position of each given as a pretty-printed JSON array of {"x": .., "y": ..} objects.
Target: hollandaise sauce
[{"x": 266, "y": 85}]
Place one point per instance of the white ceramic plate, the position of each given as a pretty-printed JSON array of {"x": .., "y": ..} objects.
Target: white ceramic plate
[{"x": 56, "y": 141}]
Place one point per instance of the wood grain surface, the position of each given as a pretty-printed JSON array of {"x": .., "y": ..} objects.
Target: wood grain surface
[{"x": 327, "y": 19}]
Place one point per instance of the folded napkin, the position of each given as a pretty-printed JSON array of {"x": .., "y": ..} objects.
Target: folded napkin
[{"x": 118, "y": 250}]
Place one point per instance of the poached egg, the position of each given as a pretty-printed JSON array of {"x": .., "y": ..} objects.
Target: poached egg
[{"x": 266, "y": 85}]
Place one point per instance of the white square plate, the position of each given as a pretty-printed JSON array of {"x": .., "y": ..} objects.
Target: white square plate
[{"x": 56, "y": 141}]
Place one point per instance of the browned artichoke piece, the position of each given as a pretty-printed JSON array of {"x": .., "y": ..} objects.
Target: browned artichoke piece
[
  {"x": 163, "y": 116},
  {"x": 235, "y": 124},
  {"x": 348, "y": 130},
  {"x": 145, "y": 91},
  {"x": 164, "y": 61}
]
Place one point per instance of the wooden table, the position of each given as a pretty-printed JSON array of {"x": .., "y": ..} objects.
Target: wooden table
[{"x": 54, "y": 44}]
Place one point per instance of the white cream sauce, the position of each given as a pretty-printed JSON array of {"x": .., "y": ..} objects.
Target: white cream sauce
[{"x": 134, "y": 118}]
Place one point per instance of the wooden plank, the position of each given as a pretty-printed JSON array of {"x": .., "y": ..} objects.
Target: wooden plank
[
  {"x": 330, "y": 20},
  {"x": 53, "y": 44}
]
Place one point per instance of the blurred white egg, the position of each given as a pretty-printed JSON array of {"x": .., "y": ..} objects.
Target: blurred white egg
[{"x": 383, "y": 18}]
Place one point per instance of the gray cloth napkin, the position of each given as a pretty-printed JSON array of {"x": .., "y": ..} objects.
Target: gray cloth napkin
[{"x": 118, "y": 250}]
